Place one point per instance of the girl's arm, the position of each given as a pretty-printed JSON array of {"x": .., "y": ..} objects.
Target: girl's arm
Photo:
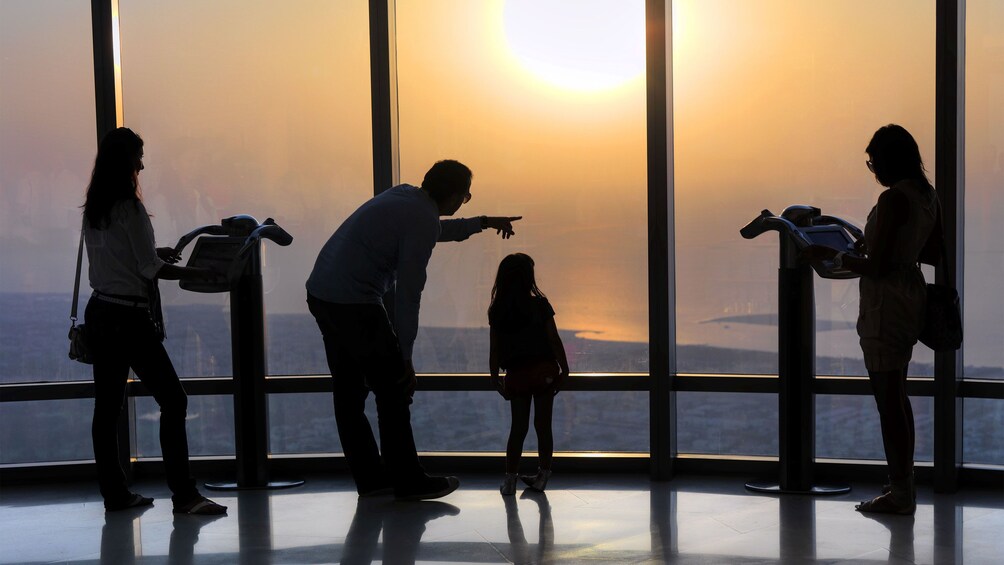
[
  {"x": 493, "y": 362},
  {"x": 557, "y": 348}
]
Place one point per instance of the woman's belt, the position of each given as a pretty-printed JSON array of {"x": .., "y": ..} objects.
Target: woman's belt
[{"x": 134, "y": 302}]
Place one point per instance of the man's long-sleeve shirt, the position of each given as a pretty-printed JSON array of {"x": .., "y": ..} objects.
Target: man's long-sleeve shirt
[{"x": 389, "y": 238}]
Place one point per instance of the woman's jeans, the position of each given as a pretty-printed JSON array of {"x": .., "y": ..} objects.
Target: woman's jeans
[{"x": 122, "y": 337}]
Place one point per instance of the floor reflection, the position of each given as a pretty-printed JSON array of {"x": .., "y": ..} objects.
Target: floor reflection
[
  {"x": 523, "y": 552},
  {"x": 604, "y": 519},
  {"x": 403, "y": 524},
  {"x": 118, "y": 537},
  {"x": 185, "y": 536}
]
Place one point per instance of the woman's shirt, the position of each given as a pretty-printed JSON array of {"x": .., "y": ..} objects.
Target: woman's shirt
[
  {"x": 527, "y": 341},
  {"x": 920, "y": 215},
  {"x": 122, "y": 257}
]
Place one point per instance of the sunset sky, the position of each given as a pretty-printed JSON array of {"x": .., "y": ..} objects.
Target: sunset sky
[{"x": 268, "y": 113}]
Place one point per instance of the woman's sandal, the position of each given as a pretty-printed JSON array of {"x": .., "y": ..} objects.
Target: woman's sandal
[
  {"x": 201, "y": 506},
  {"x": 134, "y": 501},
  {"x": 886, "y": 504}
]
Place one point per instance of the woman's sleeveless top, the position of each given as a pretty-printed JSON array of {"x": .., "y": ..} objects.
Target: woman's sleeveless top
[{"x": 892, "y": 306}]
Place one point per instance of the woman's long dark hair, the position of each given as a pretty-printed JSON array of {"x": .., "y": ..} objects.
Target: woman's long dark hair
[
  {"x": 895, "y": 156},
  {"x": 513, "y": 292},
  {"x": 114, "y": 176}
]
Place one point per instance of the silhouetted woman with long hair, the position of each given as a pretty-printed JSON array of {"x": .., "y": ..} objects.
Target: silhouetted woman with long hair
[
  {"x": 525, "y": 343},
  {"x": 123, "y": 324},
  {"x": 903, "y": 230}
]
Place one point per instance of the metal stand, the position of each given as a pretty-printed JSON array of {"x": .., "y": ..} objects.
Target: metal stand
[
  {"x": 247, "y": 327},
  {"x": 796, "y": 372}
]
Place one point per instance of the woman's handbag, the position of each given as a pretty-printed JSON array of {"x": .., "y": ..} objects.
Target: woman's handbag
[
  {"x": 79, "y": 348},
  {"x": 942, "y": 329},
  {"x": 943, "y": 321}
]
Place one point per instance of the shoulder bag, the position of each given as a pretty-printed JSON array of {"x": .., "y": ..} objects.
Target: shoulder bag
[
  {"x": 943, "y": 320},
  {"x": 79, "y": 348}
]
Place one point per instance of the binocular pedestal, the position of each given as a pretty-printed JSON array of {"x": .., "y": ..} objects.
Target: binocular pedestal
[
  {"x": 798, "y": 227},
  {"x": 234, "y": 247},
  {"x": 796, "y": 371},
  {"x": 247, "y": 326}
]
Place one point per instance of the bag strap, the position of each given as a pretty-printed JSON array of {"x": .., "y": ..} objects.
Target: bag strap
[
  {"x": 76, "y": 281},
  {"x": 944, "y": 246}
]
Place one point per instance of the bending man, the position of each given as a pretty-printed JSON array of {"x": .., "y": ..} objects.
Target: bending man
[{"x": 386, "y": 244}]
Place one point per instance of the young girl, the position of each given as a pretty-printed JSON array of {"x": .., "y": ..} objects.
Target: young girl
[{"x": 525, "y": 343}]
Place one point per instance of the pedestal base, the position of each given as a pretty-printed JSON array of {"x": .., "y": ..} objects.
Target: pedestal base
[
  {"x": 274, "y": 485},
  {"x": 774, "y": 487}
]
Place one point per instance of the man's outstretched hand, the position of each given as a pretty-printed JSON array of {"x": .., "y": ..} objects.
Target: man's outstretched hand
[{"x": 503, "y": 225}]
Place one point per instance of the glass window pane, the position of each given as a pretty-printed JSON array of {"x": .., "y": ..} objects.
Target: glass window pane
[
  {"x": 210, "y": 426},
  {"x": 47, "y": 146},
  {"x": 847, "y": 427},
  {"x": 46, "y": 431},
  {"x": 726, "y": 423},
  {"x": 774, "y": 103},
  {"x": 305, "y": 423},
  {"x": 471, "y": 422},
  {"x": 982, "y": 441},
  {"x": 545, "y": 101},
  {"x": 479, "y": 421},
  {"x": 264, "y": 114},
  {"x": 983, "y": 349}
]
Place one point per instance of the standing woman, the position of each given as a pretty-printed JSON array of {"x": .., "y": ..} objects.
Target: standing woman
[
  {"x": 123, "y": 326},
  {"x": 903, "y": 230}
]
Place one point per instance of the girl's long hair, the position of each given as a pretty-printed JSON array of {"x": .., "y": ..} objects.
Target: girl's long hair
[
  {"x": 513, "y": 292},
  {"x": 114, "y": 176}
]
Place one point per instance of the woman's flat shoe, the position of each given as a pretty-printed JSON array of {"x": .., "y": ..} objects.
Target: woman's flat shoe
[
  {"x": 887, "y": 504},
  {"x": 201, "y": 506},
  {"x": 133, "y": 501}
]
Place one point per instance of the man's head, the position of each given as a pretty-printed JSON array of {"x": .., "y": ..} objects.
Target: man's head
[{"x": 448, "y": 182}]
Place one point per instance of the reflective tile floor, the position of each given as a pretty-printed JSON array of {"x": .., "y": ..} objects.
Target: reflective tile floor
[{"x": 581, "y": 519}]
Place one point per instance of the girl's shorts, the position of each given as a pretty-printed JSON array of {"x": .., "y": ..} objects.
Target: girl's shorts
[{"x": 531, "y": 378}]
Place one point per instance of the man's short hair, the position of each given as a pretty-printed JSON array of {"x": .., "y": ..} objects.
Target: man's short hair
[{"x": 447, "y": 179}]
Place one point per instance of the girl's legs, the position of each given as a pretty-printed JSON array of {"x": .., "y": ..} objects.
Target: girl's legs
[
  {"x": 543, "y": 408},
  {"x": 520, "y": 407}
]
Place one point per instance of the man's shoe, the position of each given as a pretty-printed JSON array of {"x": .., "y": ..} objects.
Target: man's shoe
[{"x": 427, "y": 488}]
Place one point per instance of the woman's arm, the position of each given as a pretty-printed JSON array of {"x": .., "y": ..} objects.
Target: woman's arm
[
  {"x": 890, "y": 216},
  {"x": 170, "y": 272}
]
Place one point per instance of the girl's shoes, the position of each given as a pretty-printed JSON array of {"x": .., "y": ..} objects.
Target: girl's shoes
[
  {"x": 508, "y": 487},
  {"x": 537, "y": 482}
]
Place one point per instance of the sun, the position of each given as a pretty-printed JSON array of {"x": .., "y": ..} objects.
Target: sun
[{"x": 586, "y": 45}]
